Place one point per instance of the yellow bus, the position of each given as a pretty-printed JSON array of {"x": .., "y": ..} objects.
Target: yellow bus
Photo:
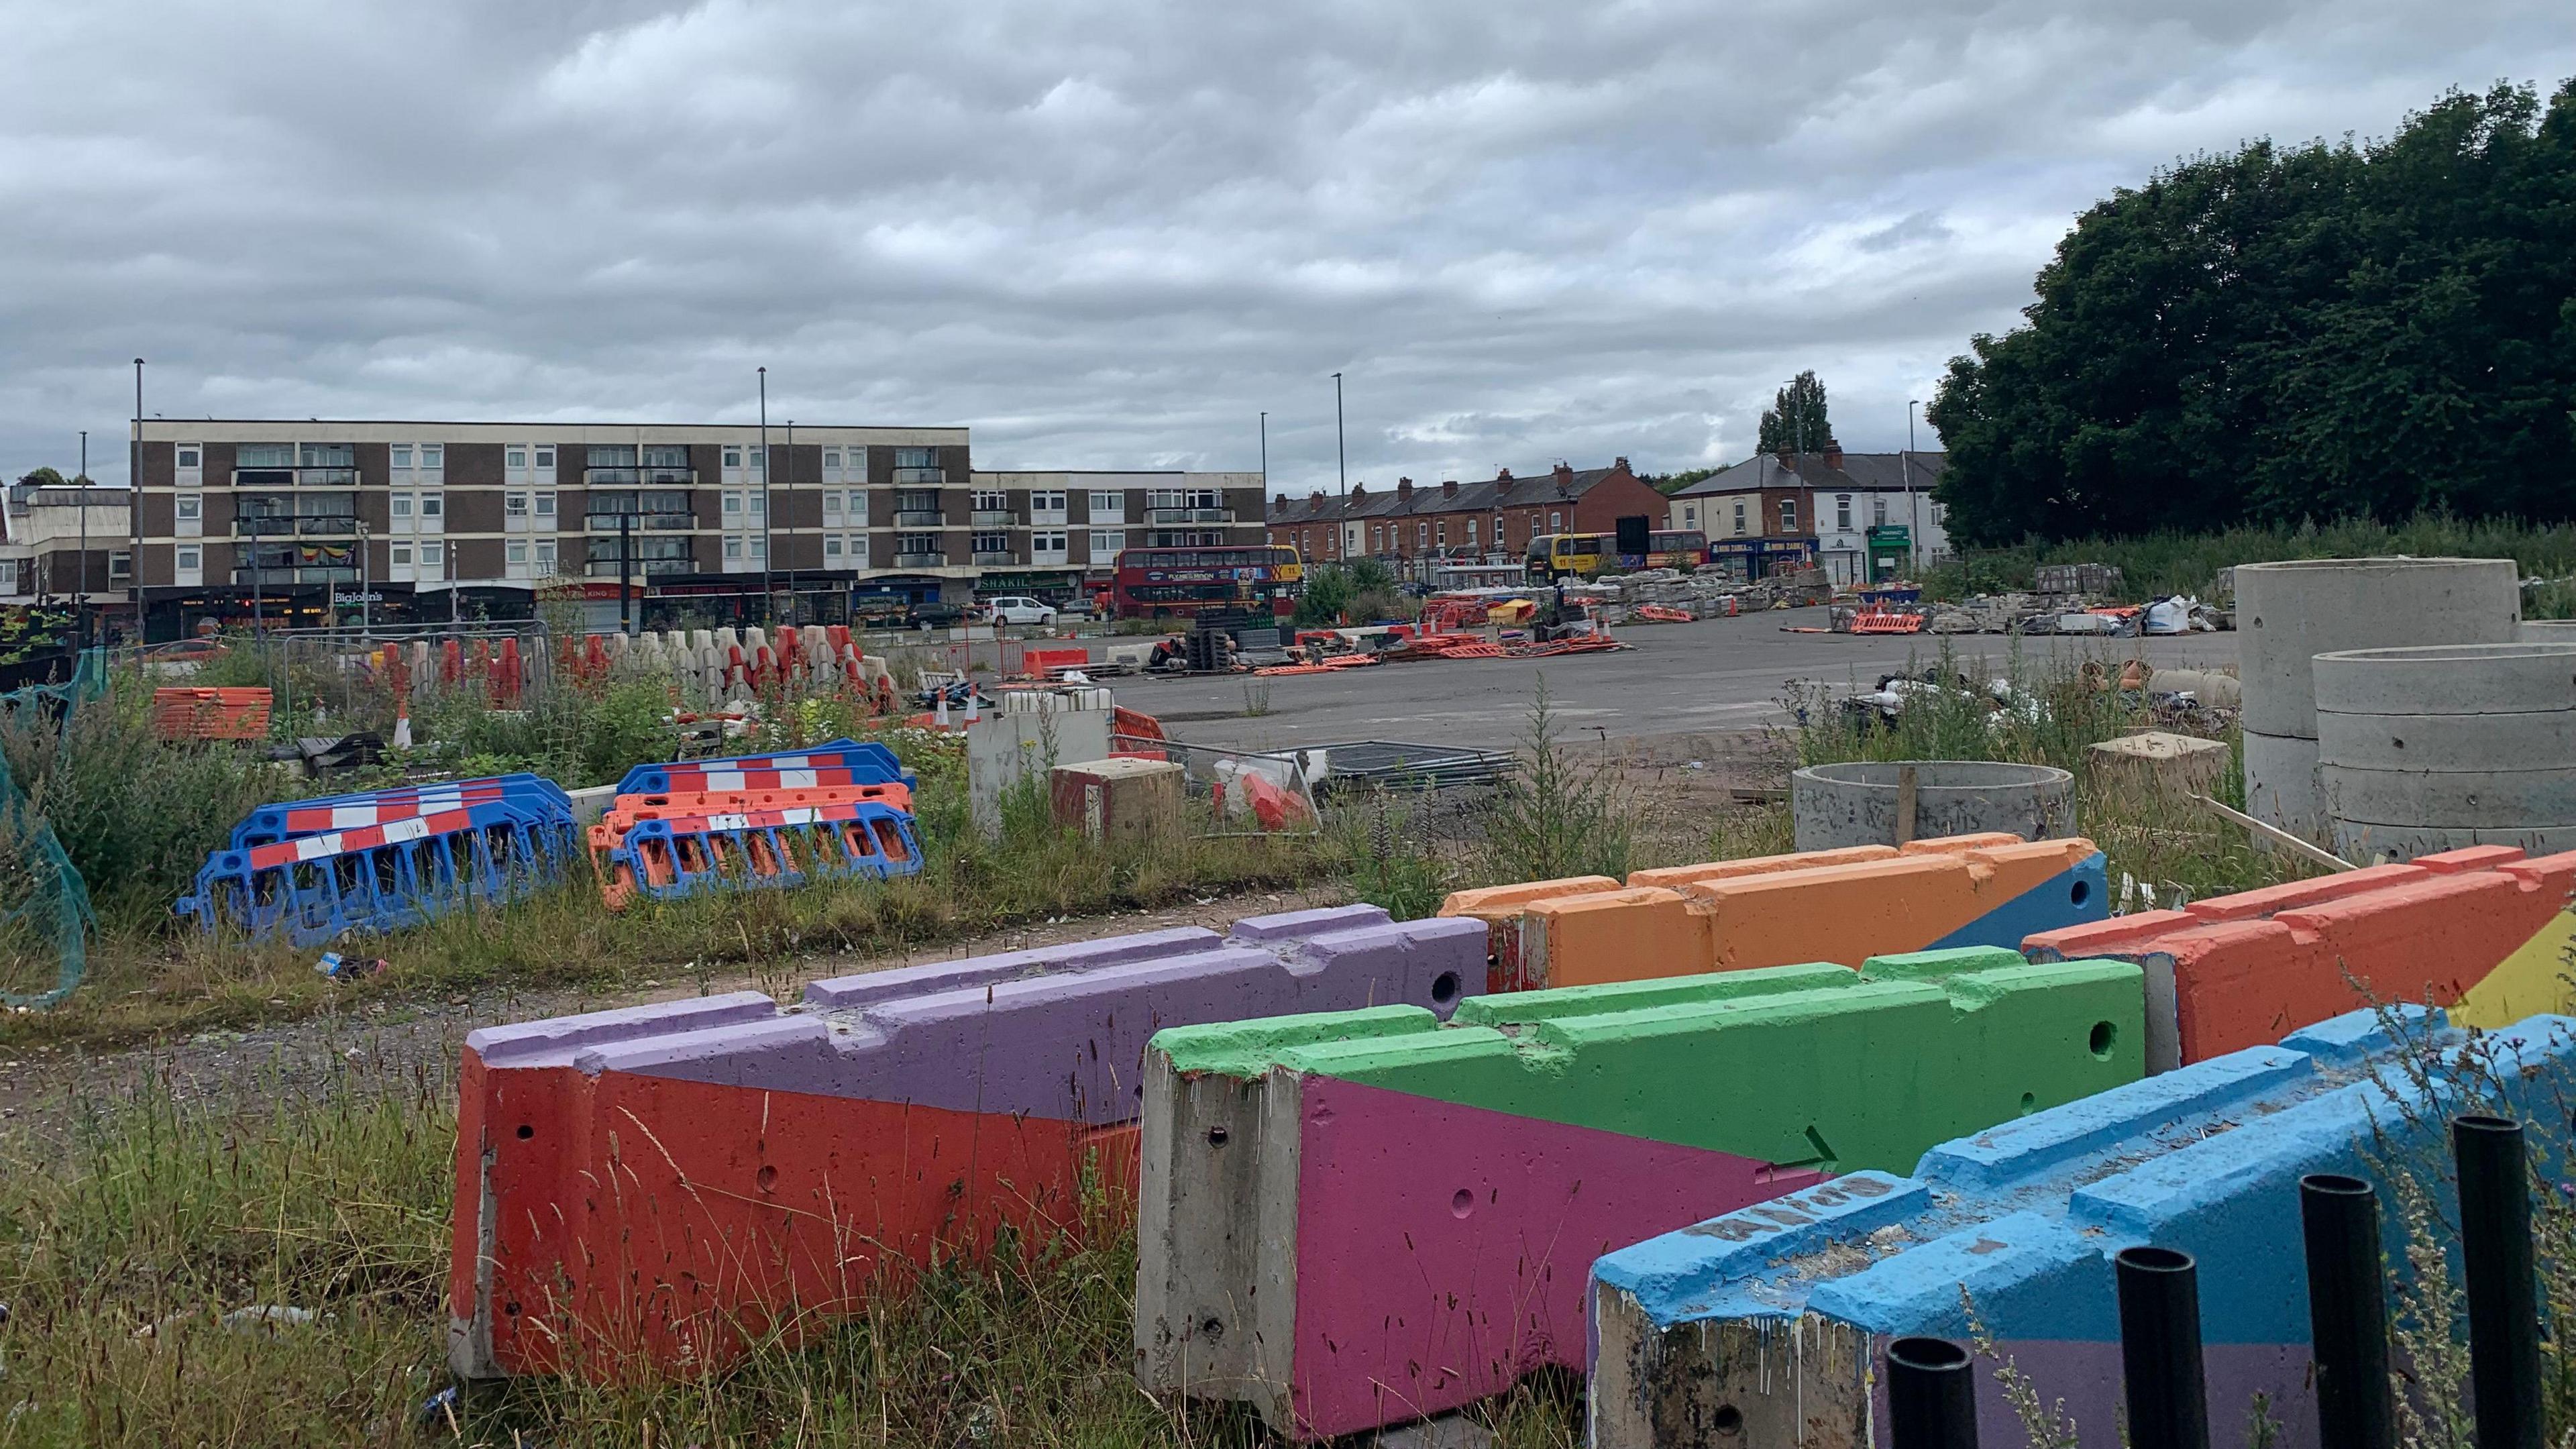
[{"x": 1554, "y": 555}]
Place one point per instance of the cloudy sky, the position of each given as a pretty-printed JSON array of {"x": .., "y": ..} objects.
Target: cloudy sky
[{"x": 1112, "y": 235}]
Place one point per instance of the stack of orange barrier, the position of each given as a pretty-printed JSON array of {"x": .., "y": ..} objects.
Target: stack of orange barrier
[
  {"x": 1829, "y": 905},
  {"x": 2483, "y": 931},
  {"x": 766, "y": 836},
  {"x": 210, "y": 714}
]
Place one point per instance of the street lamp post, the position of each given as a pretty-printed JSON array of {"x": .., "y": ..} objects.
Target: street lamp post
[
  {"x": 133, "y": 491},
  {"x": 366, "y": 615},
  {"x": 791, "y": 528},
  {"x": 1913, "y": 510},
  {"x": 766, "y": 597},
  {"x": 1265, "y": 453},
  {"x": 80, "y": 500},
  {"x": 1340, "y": 456}
]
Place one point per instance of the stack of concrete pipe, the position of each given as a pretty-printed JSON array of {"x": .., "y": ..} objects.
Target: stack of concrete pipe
[
  {"x": 2448, "y": 745},
  {"x": 2289, "y": 613}
]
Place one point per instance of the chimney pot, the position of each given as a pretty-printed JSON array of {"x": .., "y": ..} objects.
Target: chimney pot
[
  {"x": 1403, "y": 487},
  {"x": 1448, "y": 487},
  {"x": 1502, "y": 475},
  {"x": 1619, "y": 463}
]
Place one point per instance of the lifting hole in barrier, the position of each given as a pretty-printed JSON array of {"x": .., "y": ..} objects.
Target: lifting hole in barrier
[
  {"x": 2028, "y": 1103},
  {"x": 1728, "y": 1420},
  {"x": 526, "y": 1131},
  {"x": 1212, "y": 1329},
  {"x": 2080, "y": 892},
  {"x": 1216, "y": 1135},
  {"x": 2104, "y": 1034},
  {"x": 1444, "y": 987},
  {"x": 1461, "y": 1203},
  {"x": 766, "y": 1179}
]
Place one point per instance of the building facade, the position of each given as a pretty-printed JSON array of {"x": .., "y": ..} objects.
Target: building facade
[
  {"x": 51, "y": 537},
  {"x": 1862, "y": 517},
  {"x": 1056, "y": 534},
  {"x": 1491, "y": 520},
  {"x": 291, "y": 521}
]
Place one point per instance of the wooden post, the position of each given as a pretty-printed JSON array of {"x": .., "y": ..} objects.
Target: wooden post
[{"x": 1905, "y": 795}]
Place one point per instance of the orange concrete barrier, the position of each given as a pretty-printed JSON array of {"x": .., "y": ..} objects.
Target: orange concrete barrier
[
  {"x": 1828, "y": 905},
  {"x": 2483, "y": 931}
]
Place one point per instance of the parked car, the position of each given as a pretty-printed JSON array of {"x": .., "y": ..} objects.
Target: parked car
[
  {"x": 1020, "y": 609},
  {"x": 937, "y": 615}
]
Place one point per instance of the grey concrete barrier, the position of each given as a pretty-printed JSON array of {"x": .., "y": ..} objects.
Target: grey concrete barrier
[{"x": 1860, "y": 803}]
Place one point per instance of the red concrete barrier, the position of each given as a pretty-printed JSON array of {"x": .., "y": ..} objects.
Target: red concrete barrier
[{"x": 2483, "y": 931}]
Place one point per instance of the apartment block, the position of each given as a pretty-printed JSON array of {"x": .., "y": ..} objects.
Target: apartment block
[
  {"x": 432, "y": 520},
  {"x": 1054, "y": 534}
]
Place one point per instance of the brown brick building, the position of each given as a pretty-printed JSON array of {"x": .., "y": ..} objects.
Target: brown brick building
[{"x": 1492, "y": 519}]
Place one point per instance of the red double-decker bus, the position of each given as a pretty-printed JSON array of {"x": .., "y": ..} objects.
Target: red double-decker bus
[{"x": 1175, "y": 583}]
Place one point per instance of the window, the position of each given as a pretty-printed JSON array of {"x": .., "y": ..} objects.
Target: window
[
  {"x": 189, "y": 460},
  {"x": 1046, "y": 507},
  {"x": 545, "y": 557},
  {"x": 1534, "y": 528},
  {"x": 1109, "y": 504},
  {"x": 1471, "y": 533},
  {"x": 1377, "y": 538},
  {"x": 191, "y": 514},
  {"x": 433, "y": 508},
  {"x": 545, "y": 465},
  {"x": 831, "y": 504},
  {"x": 514, "y": 511},
  {"x": 992, "y": 500},
  {"x": 1788, "y": 515},
  {"x": 992, "y": 543},
  {"x": 1739, "y": 518},
  {"x": 857, "y": 512},
  {"x": 1878, "y": 509},
  {"x": 1440, "y": 532},
  {"x": 831, "y": 544},
  {"x": 1842, "y": 512},
  {"x": 515, "y": 551},
  {"x": 856, "y": 551},
  {"x": 920, "y": 545},
  {"x": 120, "y": 565},
  {"x": 330, "y": 455},
  {"x": 1555, "y": 521},
  {"x": 398, "y": 508},
  {"x": 1048, "y": 546},
  {"x": 733, "y": 545},
  {"x": 545, "y": 509},
  {"x": 1106, "y": 542},
  {"x": 732, "y": 509},
  {"x": 8, "y": 576},
  {"x": 433, "y": 562},
  {"x": 188, "y": 456},
  {"x": 399, "y": 454},
  {"x": 831, "y": 462},
  {"x": 264, "y": 455},
  {"x": 757, "y": 546},
  {"x": 189, "y": 563},
  {"x": 916, "y": 458},
  {"x": 398, "y": 563},
  {"x": 433, "y": 460},
  {"x": 514, "y": 460}
]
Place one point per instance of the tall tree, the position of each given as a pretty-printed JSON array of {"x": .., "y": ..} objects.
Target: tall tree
[
  {"x": 2276, "y": 333},
  {"x": 1796, "y": 421}
]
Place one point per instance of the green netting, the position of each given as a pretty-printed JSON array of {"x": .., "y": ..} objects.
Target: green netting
[{"x": 44, "y": 903}]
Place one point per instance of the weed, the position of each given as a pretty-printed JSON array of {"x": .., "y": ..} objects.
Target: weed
[
  {"x": 1557, "y": 817},
  {"x": 1256, "y": 698}
]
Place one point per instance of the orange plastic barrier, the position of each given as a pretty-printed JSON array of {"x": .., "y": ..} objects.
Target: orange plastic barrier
[
  {"x": 210, "y": 714},
  {"x": 2483, "y": 931},
  {"x": 1039, "y": 661}
]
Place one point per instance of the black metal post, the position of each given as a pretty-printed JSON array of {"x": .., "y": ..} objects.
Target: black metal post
[
  {"x": 626, "y": 571},
  {"x": 1931, "y": 1395},
  {"x": 2495, "y": 1254},
  {"x": 2347, "y": 1311},
  {"x": 1341, "y": 455},
  {"x": 2160, "y": 1348}
]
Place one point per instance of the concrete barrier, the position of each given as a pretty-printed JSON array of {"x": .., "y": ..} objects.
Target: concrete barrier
[
  {"x": 1358, "y": 1219},
  {"x": 646, "y": 1186},
  {"x": 1501, "y": 907},
  {"x": 1857, "y": 803},
  {"x": 1768, "y": 1326},
  {"x": 1918, "y": 899},
  {"x": 2484, "y": 931}
]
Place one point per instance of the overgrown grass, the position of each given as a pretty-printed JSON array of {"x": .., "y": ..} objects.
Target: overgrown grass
[
  {"x": 126, "y": 1245},
  {"x": 2186, "y": 563},
  {"x": 147, "y": 977}
]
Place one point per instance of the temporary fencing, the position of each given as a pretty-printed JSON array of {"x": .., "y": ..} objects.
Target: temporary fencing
[
  {"x": 1358, "y": 1219},
  {"x": 1771, "y": 1324},
  {"x": 656, "y": 1185},
  {"x": 45, "y": 917},
  {"x": 836, "y": 762},
  {"x": 210, "y": 714},
  {"x": 680, "y": 828},
  {"x": 311, "y": 872}
]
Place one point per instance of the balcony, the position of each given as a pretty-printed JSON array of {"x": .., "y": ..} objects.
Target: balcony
[
  {"x": 264, "y": 526},
  {"x": 327, "y": 525},
  {"x": 631, "y": 477},
  {"x": 296, "y": 477},
  {"x": 916, "y": 518},
  {"x": 919, "y": 560},
  {"x": 920, "y": 477},
  {"x": 993, "y": 556},
  {"x": 985, "y": 518},
  {"x": 1188, "y": 515},
  {"x": 644, "y": 522}
]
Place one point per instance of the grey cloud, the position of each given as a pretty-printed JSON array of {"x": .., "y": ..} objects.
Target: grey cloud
[{"x": 1111, "y": 235}]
